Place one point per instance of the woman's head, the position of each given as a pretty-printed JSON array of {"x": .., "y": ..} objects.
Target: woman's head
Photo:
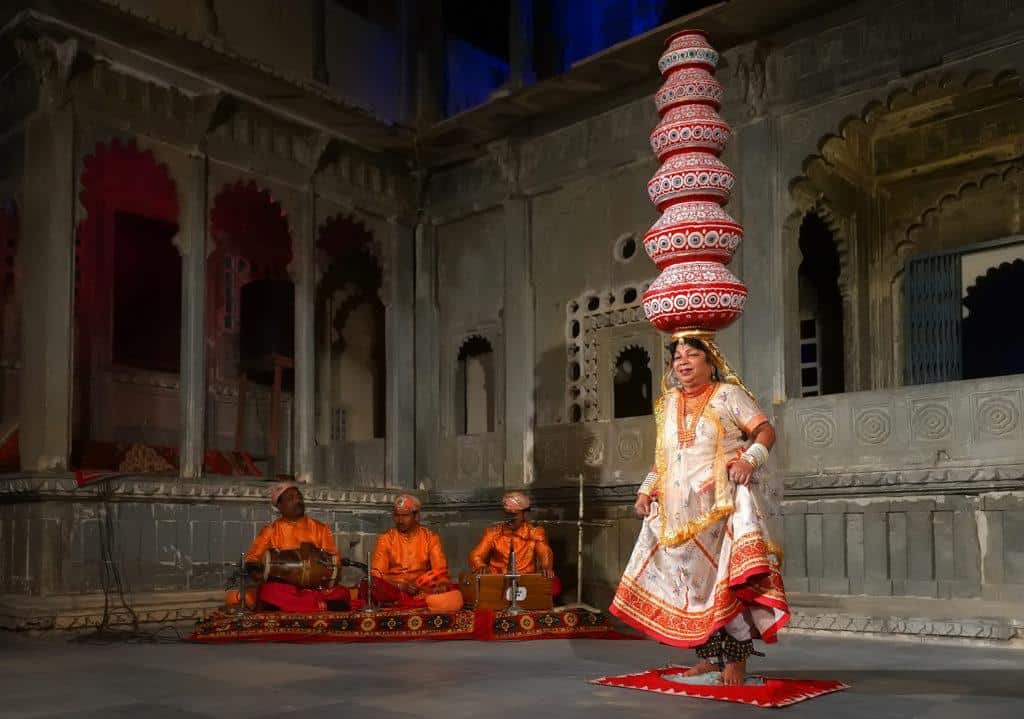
[{"x": 692, "y": 363}]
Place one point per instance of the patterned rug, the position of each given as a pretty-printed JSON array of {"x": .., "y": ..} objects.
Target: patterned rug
[
  {"x": 397, "y": 625},
  {"x": 381, "y": 626},
  {"x": 548, "y": 624},
  {"x": 766, "y": 693}
]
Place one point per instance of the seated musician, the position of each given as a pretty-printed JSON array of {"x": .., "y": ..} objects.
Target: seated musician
[
  {"x": 530, "y": 541},
  {"x": 290, "y": 531},
  {"x": 408, "y": 560}
]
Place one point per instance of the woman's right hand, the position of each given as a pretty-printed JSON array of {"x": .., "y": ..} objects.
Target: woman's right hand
[{"x": 642, "y": 505}]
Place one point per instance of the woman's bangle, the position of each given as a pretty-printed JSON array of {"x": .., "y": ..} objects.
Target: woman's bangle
[{"x": 756, "y": 455}]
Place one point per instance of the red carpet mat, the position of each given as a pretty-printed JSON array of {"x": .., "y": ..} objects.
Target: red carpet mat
[
  {"x": 772, "y": 693},
  {"x": 396, "y": 625}
]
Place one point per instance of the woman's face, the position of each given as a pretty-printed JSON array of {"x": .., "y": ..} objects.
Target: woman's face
[{"x": 691, "y": 366}]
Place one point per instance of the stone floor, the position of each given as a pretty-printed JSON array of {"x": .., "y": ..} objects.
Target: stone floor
[{"x": 52, "y": 677}]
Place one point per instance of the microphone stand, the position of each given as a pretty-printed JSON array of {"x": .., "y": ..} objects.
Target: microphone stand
[
  {"x": 513, "y": 574},
  {"x": 579, "y": 603},
  {"x": 370, "y": 609}
]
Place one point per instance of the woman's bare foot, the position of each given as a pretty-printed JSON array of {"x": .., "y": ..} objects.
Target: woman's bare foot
[
  {"x": 701, "y": 667},
  {"x": 734, "y": 673}
]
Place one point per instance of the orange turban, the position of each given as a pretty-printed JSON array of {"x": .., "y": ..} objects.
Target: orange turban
[
  {"x": 515, "y": 502},
  {"x": 407, "y": 503},
  {"x": 280, "y": 488}
]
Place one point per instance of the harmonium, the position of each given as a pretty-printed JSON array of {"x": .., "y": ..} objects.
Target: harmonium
[{"x": 494, "y": 591}]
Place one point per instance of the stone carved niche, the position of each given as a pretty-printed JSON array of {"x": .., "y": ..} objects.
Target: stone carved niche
[{"x": 475, "y": 459}]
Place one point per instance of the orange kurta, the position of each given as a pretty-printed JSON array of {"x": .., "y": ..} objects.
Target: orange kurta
[
  {"x": 287, "y": 534},
  {"x": 531, "y": 544},
  {"x": 404, "y": 557}
]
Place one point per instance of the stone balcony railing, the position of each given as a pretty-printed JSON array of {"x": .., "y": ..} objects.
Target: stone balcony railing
[{"x": 948, "y": 434}]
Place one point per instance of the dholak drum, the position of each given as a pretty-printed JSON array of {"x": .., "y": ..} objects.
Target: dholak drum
[
  {"x": 307, "y": 567},
  {"x": 494, "y": 591}
]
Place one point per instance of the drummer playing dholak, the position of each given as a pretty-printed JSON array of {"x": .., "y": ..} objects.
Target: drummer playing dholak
[
  {"x": 530, "y": 541},
  {"x": 290, "y": 531}
]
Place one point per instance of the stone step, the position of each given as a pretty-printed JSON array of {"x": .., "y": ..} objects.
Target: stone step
[
  {"x": 908, "y": 617},
  {"x": 85, "y": 611}
]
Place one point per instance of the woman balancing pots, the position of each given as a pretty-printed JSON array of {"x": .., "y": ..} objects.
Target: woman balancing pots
[{"x": 705, "y": 570}]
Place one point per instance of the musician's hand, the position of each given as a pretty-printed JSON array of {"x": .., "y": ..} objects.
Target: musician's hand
[
  {"x": 480, "y": 570},
  {"x": 642, "y": 504},
  {"x": 741, "y": 471},
  {"x": 547, "y": 573},
  {"x": 409, "y": 588}
]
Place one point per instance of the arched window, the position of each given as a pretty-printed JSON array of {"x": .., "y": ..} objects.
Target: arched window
[
  {"x": 821, "y": 311},
  {"x": 989, "y": 350},
  {"x": 632, "y": 383},
  {"x": 352, "y": 357},
  {"x": 956, "y": 306},
  {"x": 474, "y": 387}
]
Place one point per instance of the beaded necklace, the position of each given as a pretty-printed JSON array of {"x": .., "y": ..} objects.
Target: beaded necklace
[{"x": 687, "y": 433}]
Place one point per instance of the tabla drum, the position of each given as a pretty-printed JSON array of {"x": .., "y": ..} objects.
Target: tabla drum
[
  {"x": 494, "y": 591},
  {"x": 307, "y": 567}
]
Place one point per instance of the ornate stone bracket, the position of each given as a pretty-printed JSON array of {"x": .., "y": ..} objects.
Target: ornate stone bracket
[{"x": 52, "y": 63}]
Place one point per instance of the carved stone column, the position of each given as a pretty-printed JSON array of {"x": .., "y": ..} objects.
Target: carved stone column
[
  {"x": 48, "y": 228},
  {"x": 305, "y": 340},
  {"x": 400, "y": 326},
  {"x": 520, "y": 352},
  {"x": 193, "y": 322},
  {"x": 765, "y": 318},
  {"x": 428, "y": 370}
]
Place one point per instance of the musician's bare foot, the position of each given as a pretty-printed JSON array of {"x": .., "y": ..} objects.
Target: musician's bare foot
[
  {"x": 701, "y": 667},
  {"x": 734, "y": 673}
]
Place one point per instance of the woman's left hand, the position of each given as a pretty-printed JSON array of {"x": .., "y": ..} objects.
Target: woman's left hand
[{"x": 741, "y": 471}]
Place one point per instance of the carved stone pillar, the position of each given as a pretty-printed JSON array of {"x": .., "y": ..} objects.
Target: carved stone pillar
[
  {"x": 765, "y": 319},
  {"x": 325, "y": 372},
  {"x": 400, "y": 326},
  {"x": 305, "y": 340},
  {"x": 428, "y": 370},
  {"x": 48, "y": 229},
  {"x": 193, "y": 322},
  {"x": 520, "y": 352}
]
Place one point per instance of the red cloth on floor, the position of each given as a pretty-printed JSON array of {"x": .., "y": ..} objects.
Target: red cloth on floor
[
  {"x": 386, "y": 593},
  {"x": 292, "y": 599}
]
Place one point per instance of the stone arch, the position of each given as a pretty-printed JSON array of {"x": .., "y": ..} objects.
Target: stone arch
[
  {"x": 248, "y": 260},
  {"x": 841, "y": 181},
  {"x": 807, "y": 204},
  {"x": 127, "y": 297},
  {"x": 249, "y": 218},
  {"x": 348, "y": 296},
  {"x": 632, "y": 382},
  {"x": 475, "y": 387},
  {"x": 988, "y": 349},
  {"x": 948, "y": 201},
  {"x": 832, "y": 147}
]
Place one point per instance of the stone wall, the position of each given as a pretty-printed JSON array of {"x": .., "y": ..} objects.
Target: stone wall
[{"x": 897, "y": 492}]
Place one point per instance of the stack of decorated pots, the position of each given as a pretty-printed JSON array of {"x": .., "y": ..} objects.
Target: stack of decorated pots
[{"x": 694, "y": 239}]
